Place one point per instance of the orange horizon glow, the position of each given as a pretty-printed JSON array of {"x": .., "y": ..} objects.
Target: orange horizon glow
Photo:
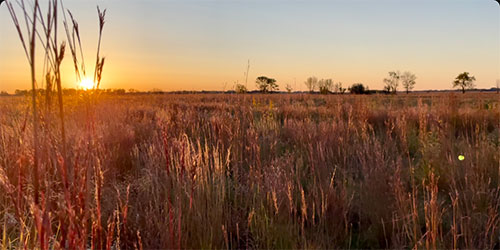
[{"x": 205, "y": 45}]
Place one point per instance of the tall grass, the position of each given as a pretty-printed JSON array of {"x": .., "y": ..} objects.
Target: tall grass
[
  {"x": 266, "y": 171},
  {"x": 29, "y": 49},
  {"x": 54, "y": 206}
]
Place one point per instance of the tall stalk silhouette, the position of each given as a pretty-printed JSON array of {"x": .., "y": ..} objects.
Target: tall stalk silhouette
[{"x": 29, "y": 49}]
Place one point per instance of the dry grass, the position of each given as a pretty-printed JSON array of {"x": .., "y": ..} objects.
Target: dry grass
[
  {"x": 239, "y": 171},
  {"x": 255, "y": 171}
]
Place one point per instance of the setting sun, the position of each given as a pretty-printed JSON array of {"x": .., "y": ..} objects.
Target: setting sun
[{"x": 86, "y": 84}]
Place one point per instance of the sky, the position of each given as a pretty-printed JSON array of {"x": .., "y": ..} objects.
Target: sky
[{"x": 206, "y": 44}]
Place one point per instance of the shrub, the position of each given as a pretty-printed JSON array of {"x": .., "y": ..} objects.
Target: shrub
[{"x": 358, "y": 88}]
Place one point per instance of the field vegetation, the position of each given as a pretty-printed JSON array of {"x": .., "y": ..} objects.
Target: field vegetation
[{"x": 252, "y": 171}]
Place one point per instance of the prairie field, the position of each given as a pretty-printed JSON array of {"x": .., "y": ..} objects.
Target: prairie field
[{"x": 253, "y": 171}]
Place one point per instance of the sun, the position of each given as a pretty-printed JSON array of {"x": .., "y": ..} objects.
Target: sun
[{"x": 86, "y": 84}]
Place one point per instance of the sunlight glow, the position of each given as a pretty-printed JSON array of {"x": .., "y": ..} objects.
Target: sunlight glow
[{"x": 86, "y": 84}]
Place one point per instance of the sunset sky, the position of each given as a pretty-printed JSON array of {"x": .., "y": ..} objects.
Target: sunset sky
[{"x": 205, "y": 44}]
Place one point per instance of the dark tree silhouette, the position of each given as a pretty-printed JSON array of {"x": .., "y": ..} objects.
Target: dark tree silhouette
[
  {"x": 325, "y": 86},
  {"x": 464, "y": 81},
  {"x": 266, "y": 84},
  {"x": 408, "y": 80},
  {"x": 358, "y": 88}
]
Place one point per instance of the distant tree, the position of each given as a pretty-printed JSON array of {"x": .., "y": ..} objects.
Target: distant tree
[
  {"x": 20, "y": 92},
  {"x": 392, "y": 82},
  {"x": 338, "y": 88},
  {"x": 289, "y": 88},
  {"x": 4, "y": 93},
  {"x": 408, "y": 81},
  {"x": 325, "y": 86},
  {"x": 265, "y": 84},
  {"x": 132, "y": 91},
  {"x": 464, "y": 81},
  {"x": 156, "y": 91},
  {"x": 119, "y": 91},
  {"x": 311, "y": 83},
  {"x": 358, "y": 88},
  {"x": 387, "y": 89},
  {"x": 240, "y": 88}
]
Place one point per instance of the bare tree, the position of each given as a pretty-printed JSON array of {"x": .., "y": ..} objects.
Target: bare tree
[
  {"x": 339, "y": 89},
  {"x": 408, "y": 80},
  {"x": 240, "y": 88},
  {"x": 325, "y": 86},
  {"x": 311, "y": 83},
  {"x": 392, "y": 82}
]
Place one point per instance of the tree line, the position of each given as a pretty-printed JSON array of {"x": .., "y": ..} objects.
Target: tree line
[
  {"x": 395, "y": 79},
  {"x": 464, "y": 81}
]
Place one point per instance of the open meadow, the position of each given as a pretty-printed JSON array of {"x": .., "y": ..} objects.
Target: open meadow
[
  {"x": 252, "y": 171},
  {"x": 249, "y": 124}
]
